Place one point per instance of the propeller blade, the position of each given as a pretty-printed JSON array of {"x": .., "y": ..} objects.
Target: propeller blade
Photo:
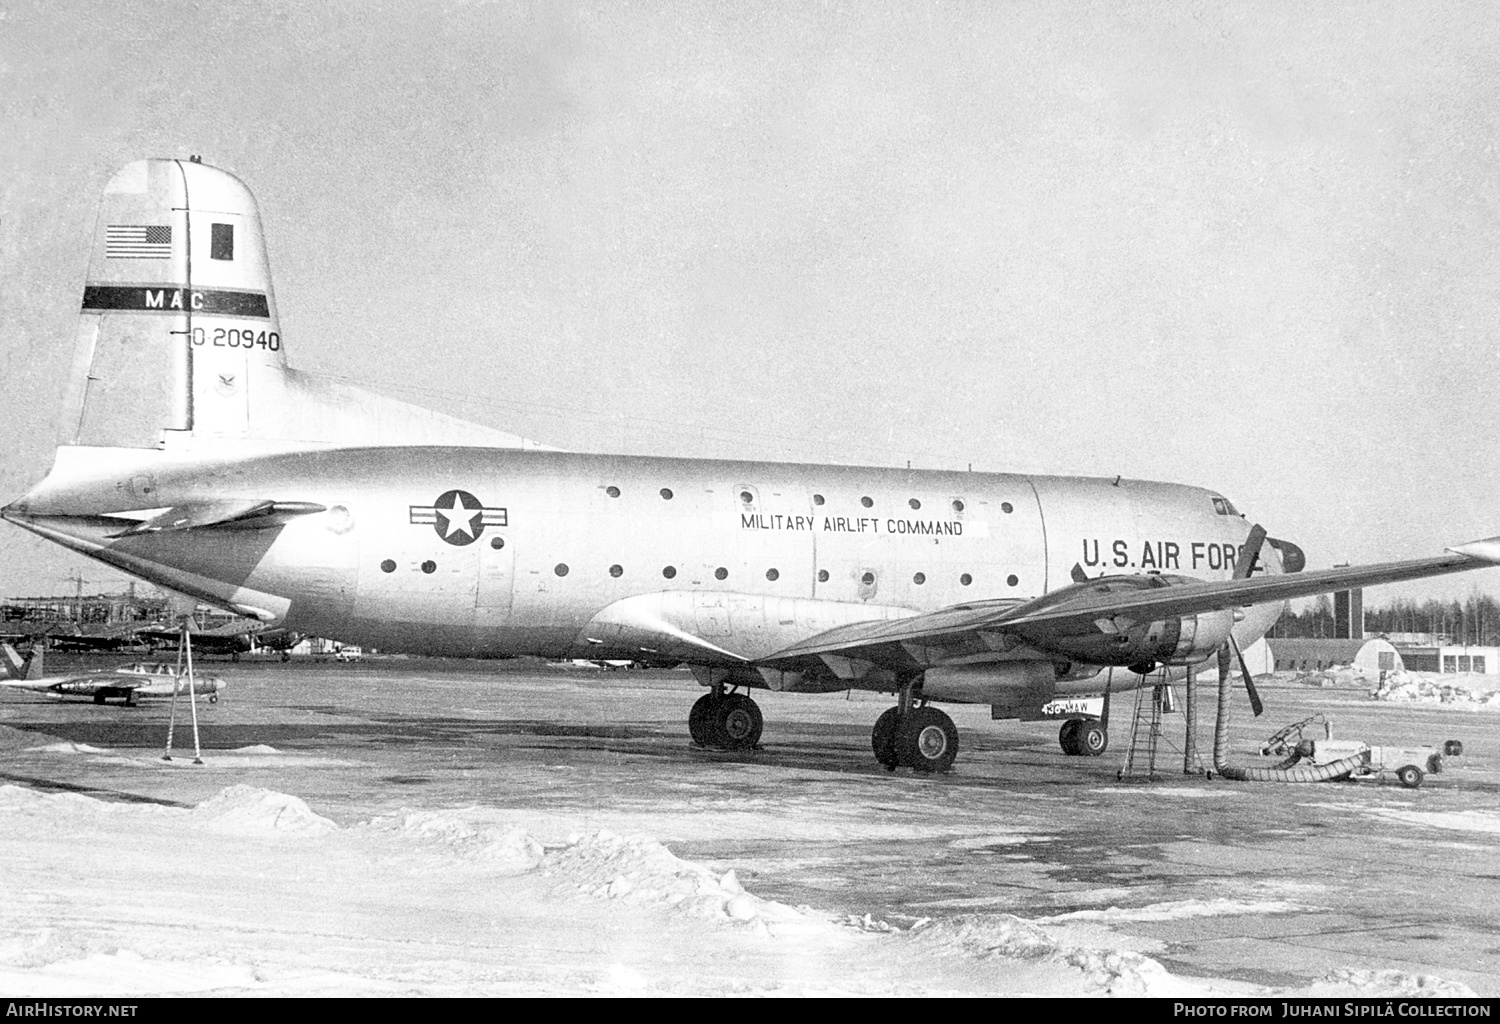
[
  {"x": 1249, "y": 553},
  {"x": 1250, "y": 691}
]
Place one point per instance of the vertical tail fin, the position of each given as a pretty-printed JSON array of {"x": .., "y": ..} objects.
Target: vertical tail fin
[
  {"x": 179, "y": 345},
  {"x": 17, "y": 668},
  {"x": 178, "y": 318}
]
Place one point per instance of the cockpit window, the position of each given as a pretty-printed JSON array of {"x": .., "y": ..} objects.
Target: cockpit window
[{"x": 1225, "y": 507}]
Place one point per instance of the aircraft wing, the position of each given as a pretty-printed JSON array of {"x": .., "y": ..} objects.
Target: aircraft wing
[
  {"x": 898, "y": 644},
  {"x": 80, "y": 686}
]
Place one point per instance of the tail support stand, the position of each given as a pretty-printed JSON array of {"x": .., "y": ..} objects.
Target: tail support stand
[{"x": 184, "y": 652}]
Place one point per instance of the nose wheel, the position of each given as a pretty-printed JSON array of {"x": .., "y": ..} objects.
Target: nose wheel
[{"x": 727, "y": 721}]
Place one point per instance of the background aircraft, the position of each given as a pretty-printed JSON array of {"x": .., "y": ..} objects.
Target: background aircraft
[
  {"x": 194, "y": 457},
  {"x": 126, "y": 683}
]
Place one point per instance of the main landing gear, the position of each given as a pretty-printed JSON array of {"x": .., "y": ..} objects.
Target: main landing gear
[
  {"x": 921, "y": 738},
  {"x": 729, "y": 721},
  {"x": 1083, "y": 737}
]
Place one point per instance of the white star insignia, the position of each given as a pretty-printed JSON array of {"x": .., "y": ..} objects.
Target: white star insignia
[{"x": 459, "y": 518}]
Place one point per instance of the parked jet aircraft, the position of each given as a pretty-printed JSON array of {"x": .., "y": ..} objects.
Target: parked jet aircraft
[
  {"x": 126, "y": 683},
  {"x": 192, "y": 456}
]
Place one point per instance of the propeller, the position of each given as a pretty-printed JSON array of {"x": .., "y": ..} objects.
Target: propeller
[{"x": 1242, "y": 569}]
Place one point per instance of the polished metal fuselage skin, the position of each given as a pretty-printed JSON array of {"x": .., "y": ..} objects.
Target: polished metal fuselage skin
[{"x": 576, "y": 555}]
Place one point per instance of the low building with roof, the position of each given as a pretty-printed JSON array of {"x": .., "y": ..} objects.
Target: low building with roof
[{"x": 1299, "y": 654}]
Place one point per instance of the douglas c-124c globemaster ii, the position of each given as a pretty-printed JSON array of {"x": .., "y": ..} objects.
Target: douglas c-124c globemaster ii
[{"x": 192, "y": 456}]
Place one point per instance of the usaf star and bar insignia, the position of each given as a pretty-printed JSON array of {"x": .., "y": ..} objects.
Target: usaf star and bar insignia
[{"x": 458, "y": 516}]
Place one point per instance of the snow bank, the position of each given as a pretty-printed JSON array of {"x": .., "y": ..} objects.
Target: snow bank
[
  {"x": 1438, "y": 688},
  {"x": 1395, "y": 983},
  {"x": 1176, "y": 910},
  {"x": 66, "y": 747},
  {"x": 248, "y": 809},
  {"x": 638, "y": 869},
  {"x": 510, "y": 852},
  {"x": 1107, "y": 971}
]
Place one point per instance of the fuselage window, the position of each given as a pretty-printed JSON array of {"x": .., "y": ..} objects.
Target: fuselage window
[
  {"x": 866, "y": 501},
  {"x": 746, "y": 497},
  {"x": 497, "y": 543},
  {"x": 669, "y": 571},
  {"x": 772, "y": 575},
  {"x": 666, "y": 494},
  {"x": 429, "y": 566},
  {"x": 867, "y": 579},
  {"x": 914, "y": 503},
  {"x": 612, "y": 491},
  {"x": 817, "y": 499},
  {"x": 1006, "y": 507},
  {"x": 958, "y": 505},
  {"x": 1011, "y": 581},
  {"x": 919, "y": 579},
  {"x": 966, "y": 579},
  {"x": 822, "y": 575},
  {"x": 561, "y": 568},
  {"x": 721, "y": 573},
  {"x": 617, "y": 571},
  {"x": 388, "y": 566}
]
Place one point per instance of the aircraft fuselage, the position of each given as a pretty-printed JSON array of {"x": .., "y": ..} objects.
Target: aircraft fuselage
[{"x": 490, "y": 552}]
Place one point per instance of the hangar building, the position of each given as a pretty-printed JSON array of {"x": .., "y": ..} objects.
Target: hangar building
[{"x": 1302, "y": 655}]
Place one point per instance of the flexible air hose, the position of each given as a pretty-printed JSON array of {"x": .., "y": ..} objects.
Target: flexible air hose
[{"x": 1281, "y": 773}]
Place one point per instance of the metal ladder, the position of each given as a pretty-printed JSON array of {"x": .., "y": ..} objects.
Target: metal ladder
[{"x": 1145, "y": 732}]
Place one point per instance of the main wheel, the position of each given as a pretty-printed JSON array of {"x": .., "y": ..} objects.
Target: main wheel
[
  {"x": 926, "y": 740},
  {"x": 698, "y": 719},
  {"x": 1091, "y": 738},
  {"x": 1410, "y": 776},
  {"x": 1067, "y": 736},
  {"x": 883, "y": 738},
  {"x": 737, "y": 722}
]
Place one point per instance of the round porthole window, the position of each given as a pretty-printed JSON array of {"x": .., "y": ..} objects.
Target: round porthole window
[
  {"x": 822, "y": 575},
  {"x": 617, "y": 571},
  {"x": 666, "y": 494},
  {"x": 612, "y": 491},
  {"x": 561, "y": 568},
  {"x": 958, "y": 505},
  {"x": 919, "y": 579},
  {"x": 669, "y": 571},
  {"x": 429, "y": 567},
  {"x": 772, "y": 575},
  {"x": 1007, "y": 507},
  {"x": 721, "y": 573},
  {"x": 497, "y": 543},
  {"x": 966, "y": 579},
  {"x": 1011, "y": 581},
  {"x": 388, "y": 566}
]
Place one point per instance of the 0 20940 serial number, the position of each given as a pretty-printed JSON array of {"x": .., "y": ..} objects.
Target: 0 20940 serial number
[{"x": 234, "y": 337}]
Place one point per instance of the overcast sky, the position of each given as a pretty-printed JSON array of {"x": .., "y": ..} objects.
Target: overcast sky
[{"x": 1251, "y": 246}]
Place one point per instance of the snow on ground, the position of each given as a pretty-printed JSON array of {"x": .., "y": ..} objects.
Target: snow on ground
[
  {"x": 421, "y": 905},
  {"x": 253, "y": 892}
]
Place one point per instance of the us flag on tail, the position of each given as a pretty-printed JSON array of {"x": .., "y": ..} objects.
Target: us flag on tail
[{"x": 137, "y": 241}]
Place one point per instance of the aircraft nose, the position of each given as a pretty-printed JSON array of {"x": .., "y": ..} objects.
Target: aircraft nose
[{"x": 1292, "y": 558}]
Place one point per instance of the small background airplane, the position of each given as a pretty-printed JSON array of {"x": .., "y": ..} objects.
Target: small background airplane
[{"x": 126, "y": 683}]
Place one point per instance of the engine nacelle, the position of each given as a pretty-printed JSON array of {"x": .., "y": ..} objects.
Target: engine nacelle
[{"x": 1121, "y": 639}]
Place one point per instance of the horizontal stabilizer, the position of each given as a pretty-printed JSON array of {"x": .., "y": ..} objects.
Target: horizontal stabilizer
[
  {"x": 240, "y": 514},
  {"x": 1487, "y": 550}
]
